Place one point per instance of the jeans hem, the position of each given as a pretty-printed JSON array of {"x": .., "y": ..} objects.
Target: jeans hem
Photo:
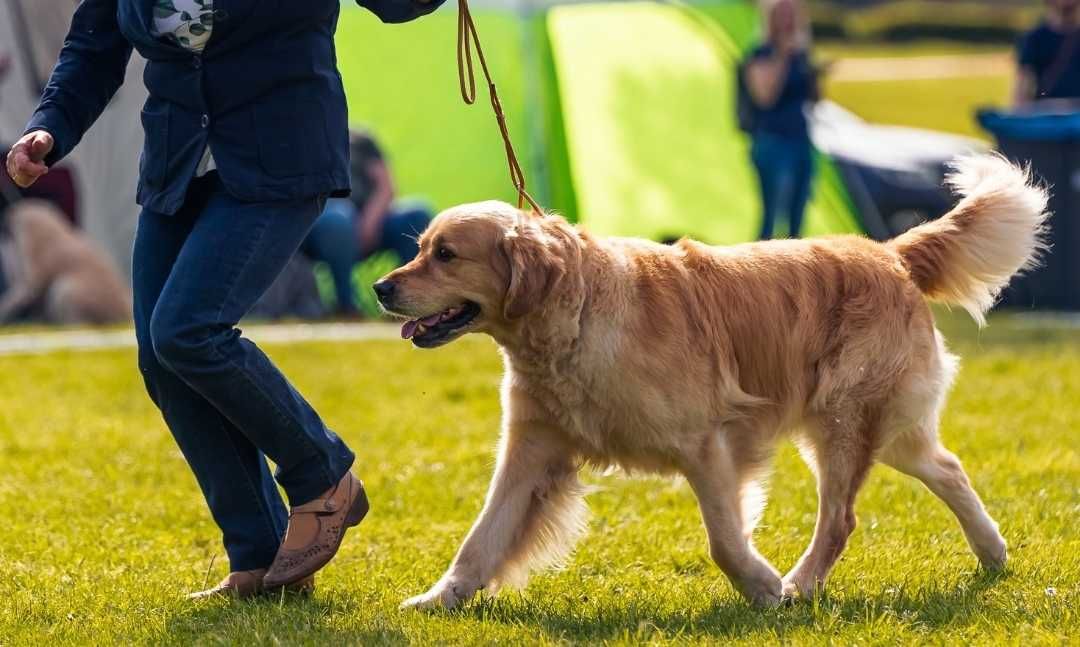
[{"x": 312, "y": 488}]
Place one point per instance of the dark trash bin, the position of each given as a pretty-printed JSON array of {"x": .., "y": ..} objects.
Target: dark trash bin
[{"x": 1051, "y": 144}]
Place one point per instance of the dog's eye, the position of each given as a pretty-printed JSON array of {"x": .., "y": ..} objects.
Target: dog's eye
[{"x": 444, "y": 254}]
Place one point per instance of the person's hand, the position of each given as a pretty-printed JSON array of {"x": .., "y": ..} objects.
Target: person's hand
[{"x": 25, "y": 159}]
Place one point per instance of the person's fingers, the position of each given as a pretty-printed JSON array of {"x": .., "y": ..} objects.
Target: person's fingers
[
  {"x": 25, "y": 162},
  {"x": 41, "y": 144},
  {"x": 31, "y": 167},
  {"x": 23, "y": 170},
  {"x": 13, "y": 164}
]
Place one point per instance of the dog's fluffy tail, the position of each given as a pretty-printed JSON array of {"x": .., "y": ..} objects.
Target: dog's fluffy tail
[{"x": 967, "y": 256}]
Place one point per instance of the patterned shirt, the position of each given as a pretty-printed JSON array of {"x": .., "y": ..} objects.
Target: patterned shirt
[{"x": 188, "y": 23}]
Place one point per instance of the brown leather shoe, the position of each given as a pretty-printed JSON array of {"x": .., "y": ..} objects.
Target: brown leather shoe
[
  {"x": 248, "y": 584},
  {"x": 315, "y": 532}
]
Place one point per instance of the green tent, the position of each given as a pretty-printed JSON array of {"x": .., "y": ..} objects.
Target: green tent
[{"x": 622, "y": 115}]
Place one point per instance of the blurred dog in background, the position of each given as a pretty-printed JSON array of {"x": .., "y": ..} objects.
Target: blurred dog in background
[{"x": 55, "y": 273}]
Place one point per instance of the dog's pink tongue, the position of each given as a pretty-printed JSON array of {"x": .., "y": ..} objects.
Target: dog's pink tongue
[
  {"x": 432, "y": 320},
  {"x": 408, "y": 329}
]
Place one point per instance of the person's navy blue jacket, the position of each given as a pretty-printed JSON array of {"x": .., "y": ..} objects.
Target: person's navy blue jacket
[{"x": 265, "y": 93}]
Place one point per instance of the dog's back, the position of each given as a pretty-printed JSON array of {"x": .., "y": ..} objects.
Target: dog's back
[
  {"x": 693, "y": 336},
  {"x": 686, "y": 336}
]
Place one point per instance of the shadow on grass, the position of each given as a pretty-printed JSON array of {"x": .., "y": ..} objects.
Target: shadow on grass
[
  {"x": 733, "y": 618},
  {"x": 333, "y": 620},
  {"x": 291, "y": 619}
]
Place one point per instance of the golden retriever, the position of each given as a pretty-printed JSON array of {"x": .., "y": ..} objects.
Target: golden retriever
[
  {"x": 57, "y": 270},
  {"x": 695, "y": 360}
]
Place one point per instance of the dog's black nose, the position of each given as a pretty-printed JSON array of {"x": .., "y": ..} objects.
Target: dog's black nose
[{"x": 385, "y": 291}]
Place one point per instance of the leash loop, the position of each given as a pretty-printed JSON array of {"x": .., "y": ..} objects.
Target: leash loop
[{"x": 467, "y": 41}]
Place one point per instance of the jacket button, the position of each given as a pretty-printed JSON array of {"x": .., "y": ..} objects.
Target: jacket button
[{"x": 205, "y": 121}]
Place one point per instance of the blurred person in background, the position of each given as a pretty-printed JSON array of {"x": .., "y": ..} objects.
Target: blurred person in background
[
  {"x": 368, "y": 221},
  {"x": 780, "y": 83},
  {"x": 1049, "y": 58},
  {"x": 245, "y": 137}
]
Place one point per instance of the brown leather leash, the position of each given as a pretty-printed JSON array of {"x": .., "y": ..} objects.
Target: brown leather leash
[{"x": 467, "y": 39}]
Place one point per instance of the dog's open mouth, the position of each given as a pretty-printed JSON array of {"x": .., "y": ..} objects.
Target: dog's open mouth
[{"x": 440, "y": 327}]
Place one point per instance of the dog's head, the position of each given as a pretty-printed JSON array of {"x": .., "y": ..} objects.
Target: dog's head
[{"x": 482, "y": 267}]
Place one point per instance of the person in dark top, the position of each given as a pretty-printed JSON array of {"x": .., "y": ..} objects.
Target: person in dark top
[
  {"x": 245, "y": 128},
  {"x": 368, "y": 221},
  {"x": 781, "y": 81},
  {"x": 1049, "y": 57}
]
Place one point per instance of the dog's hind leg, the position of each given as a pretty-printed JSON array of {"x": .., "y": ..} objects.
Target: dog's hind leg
[
  {"x": 913, "y": 448},
  {"x": 841, "y": 447},
  {"x": 533, "y": 514},
  {"x": 922, "y": 456},
  {"x": 718, "y": 479}
]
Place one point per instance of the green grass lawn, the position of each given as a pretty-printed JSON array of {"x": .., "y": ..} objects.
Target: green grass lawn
[{"x": 104, "y": 530}]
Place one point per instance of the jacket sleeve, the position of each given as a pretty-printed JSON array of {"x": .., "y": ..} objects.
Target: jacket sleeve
[
  {"x": 88, "y": 73},
  {"x": 399, "y": 10}
]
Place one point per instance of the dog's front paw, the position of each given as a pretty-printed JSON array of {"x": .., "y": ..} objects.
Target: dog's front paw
[
  {"x": 430, "y": 600},
  {"x": 446, "y": 593},
  {"x": 766, "y": 591},
  {"x": 767, "y": 597},
  {"x": 790, "y": 590},
  {"x": 801, "y": 586},
  {"x": 993, "y": 554}
]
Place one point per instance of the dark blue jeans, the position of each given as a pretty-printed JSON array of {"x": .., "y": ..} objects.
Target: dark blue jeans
[
  {"x": 333, "y": 240},
  {"x": 785, "y": 168},
  {"x": 195, "y": 274}
]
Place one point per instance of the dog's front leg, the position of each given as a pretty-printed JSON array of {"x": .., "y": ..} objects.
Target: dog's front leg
[
  {"x": 714, "y": 475},
  {"x": 534, "y": 501}
]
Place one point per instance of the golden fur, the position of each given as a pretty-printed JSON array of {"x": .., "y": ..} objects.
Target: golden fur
[
  {"x": 59, "y": 270},
  {"x": 694, "y": 360}
]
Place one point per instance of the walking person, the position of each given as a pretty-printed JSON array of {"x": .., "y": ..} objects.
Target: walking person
[
  {"x": 246, "y": 137},
  {"x": 780, "y": 82}
]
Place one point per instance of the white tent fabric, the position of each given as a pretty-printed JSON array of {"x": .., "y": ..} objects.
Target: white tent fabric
[{"x": 105, "y": 165}]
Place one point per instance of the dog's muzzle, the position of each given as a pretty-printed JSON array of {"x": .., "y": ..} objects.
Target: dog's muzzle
[{"x": 385, "y": 292}]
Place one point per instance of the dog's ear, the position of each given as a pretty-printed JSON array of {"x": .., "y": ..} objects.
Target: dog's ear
[{"x": 535, "y": 269}]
